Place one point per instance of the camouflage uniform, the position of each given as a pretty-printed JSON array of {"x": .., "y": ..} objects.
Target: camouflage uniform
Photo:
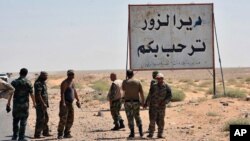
[
  {"x": 114, "y": 95},
  {"x": 132, "y": 88},
  {"x": 153, "y": 81},
  {"x": 20, "y": 111},
  {"x": 132, "y": 110},
  {"x": 42, "y": 117},
  {"x": 66, "y": 114},
  {"x": 157, "y": 95}
]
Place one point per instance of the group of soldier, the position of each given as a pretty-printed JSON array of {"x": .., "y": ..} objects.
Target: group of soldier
[
  {"x": 129, "y": 92},
  {"x": 159, "y": 95},
  {"x": 21, "y": 88}
]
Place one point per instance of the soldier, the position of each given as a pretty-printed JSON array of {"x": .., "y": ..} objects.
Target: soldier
[
  {"x": 133, "y": 94},
  {"x": 41, "y": 97},
  {"x": 153, "y": 81},
  {"x": 23, "y": 89},
  {"x": 114, "y": 97},
  {"x": 5, "y": 89},
  {"x": 159, "y": 95},
  {"x": 66, "y": 114}
]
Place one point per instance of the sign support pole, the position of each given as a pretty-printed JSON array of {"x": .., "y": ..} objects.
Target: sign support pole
[{"x": 217, "y": 44}]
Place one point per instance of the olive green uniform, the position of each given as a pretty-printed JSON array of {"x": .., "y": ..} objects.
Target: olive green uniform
[
  {"x": 20, "y": 113},
  {"x": 132, "y": 88},
  {"x": 42, "y": 117},
  {"x": 114, "y": 96},
  {"x": 158, "y": 97}
]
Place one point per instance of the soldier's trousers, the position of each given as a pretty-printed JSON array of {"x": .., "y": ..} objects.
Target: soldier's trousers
[
  {"x": 156, "y": 115},
  {"x": 115, "y": 108},
  {"x": 132, "y": 110},
  {"x": 66, "y": 115},
  {"x": 42, "y": 120},
  {"x": 20, "y": 115}
]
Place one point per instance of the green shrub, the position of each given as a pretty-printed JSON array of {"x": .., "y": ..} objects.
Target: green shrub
[
  {"x": 219, "y": 90},
  {"x": 232, "y": 93},
  {"x": 78, "y": 86},
  {"x": 239, "y": 121},
  {"x": 100, "y": 97},
  {"x": 100, "y": 86},
  {"x": 248, "y": 80},
  {"x": 177, "y": 95},
  {"x": 213, "y": 114}
]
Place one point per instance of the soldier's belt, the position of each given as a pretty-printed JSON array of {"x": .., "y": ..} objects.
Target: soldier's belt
[{"x": 132, "y": 100}]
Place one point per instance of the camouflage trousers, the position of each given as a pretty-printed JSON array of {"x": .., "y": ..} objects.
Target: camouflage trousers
[
  {"x": 42, "y": 120},
  {"x": 20, "y": 115},
  {"x": 66, "y": 115},
  {"x": 156, "y": 115},
  {"x": 132, "y": 110},
  {"x": 115, "y": 108}
]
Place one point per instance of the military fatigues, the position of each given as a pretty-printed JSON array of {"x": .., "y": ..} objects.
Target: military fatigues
[
  {"x": 42, "y": 117},
  {"x": 157, "y": 95},
  {"x": 132, "y": 88},
  {"x": 153, "y": 81},
  {"x": 114, "y": 95},
  {"x": 20, "y": 113},
  {"x": 66, "y": 114}
]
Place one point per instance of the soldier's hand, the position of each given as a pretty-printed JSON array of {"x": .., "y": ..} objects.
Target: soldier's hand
[
  {"x": 78, "y": 104},
  {"x": 8, "y": 109}
]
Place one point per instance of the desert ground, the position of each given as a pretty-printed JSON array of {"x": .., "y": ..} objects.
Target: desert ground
[{"x": 199, "y": 117}]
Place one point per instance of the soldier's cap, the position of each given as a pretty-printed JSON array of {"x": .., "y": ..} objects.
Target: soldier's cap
[
  {"x": 69, "y": 72},
  {"x": 159, "y": 75},
  {"x": 43, "y": 73}
]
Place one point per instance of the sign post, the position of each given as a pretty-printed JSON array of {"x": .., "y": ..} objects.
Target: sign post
[{"x": 171, "y": 36}]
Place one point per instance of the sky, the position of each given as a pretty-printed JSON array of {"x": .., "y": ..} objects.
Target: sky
[{"x": 56, "y": 35}]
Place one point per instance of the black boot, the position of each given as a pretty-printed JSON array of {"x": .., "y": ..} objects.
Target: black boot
[
  {"x": 132, "y": 133},
  {"x": 117, "y": 127},
  {"x": 140, "y": 130},
  {"x": 121, "y": 124}
]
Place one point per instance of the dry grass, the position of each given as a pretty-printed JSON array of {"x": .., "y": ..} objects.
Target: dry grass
[{"x": 238, "y": 121}]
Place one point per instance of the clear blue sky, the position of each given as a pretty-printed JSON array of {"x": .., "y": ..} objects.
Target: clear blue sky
[{"x": 92, "y": 34}]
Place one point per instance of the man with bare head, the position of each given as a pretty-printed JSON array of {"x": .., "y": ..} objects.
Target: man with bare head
[
  {"x": 66, "y": 114},
  {"x": 114, "y": 97},
  {"x": 134, "y": 98}
]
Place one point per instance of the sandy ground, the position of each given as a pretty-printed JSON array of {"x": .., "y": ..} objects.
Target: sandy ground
[{"x": 188, "y": 120}]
